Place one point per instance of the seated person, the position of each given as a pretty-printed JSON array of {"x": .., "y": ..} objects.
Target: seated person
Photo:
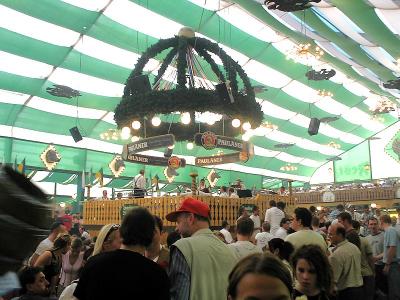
[{"x": 34, "y": 284}]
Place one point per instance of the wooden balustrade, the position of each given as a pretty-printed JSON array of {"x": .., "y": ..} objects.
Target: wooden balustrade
[
  {"x": 351, "y": 195},
  {"x": 101, "y": 212}
]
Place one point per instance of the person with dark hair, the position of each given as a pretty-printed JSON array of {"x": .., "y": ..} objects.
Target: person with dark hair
[
  {"x": 264, "y": 237},
  {"x": 172, "y": 237},
  {"x": 273, "y": 216},
  {"x": 72, "y": 262},
  {"x": 156, "y": 252},
  {"x": 55, "y": 229},
  {"x": 200, "y": 261},
  {"x": 225, "y": 231},
  {"x": 243, "y": 213},
  {"x": 259, "y": 276},
  {"x": 313, "y": 273},
  {"x": 346, "y": 264},
  {"x": 283, "y": 250},
  {"x": 243, "y": 246},
  {"x": 255, "y": 217},
  {"x": 51, "y": 261},
  {"x": 391, "y": 256},
  {"x": 126, "y": 273},
  {"x": 282, "y": 231},
  {"x": 223, "y": 192},
  {"x": 139, "y": 185},
  {"x": 334, "y": 214},
  {"x": 313, "y": 210},
  {"x": 34, "y": 285},
  {"x": 352, "y": 236},
  {"x": 304, "y": 235}
]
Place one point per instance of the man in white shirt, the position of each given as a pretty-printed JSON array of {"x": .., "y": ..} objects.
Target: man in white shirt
[
  {"x": 225, "y": 232},
  {"x": 139, "y": 185},
  {"x": 232, "y": 193},
  {"x": 304, "y": 235},
  {"x": 255, "y": 217},
  {"x": 273, "y": 216},
  {"x": 243, "y": 247},
  {"x": 282, "y": 231},
  {"x": 264, "y": 237},
  {"x": 223, "y": 192},
  {"x": 55, "y": 229}
]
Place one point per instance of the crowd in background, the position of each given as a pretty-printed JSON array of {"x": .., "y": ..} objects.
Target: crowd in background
[{"x": 338, "y": 254}]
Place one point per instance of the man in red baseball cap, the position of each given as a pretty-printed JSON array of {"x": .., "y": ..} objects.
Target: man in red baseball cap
[{"x": 200, "y": 263}]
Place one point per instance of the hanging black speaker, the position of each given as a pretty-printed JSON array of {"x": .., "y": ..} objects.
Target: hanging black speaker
[
  {"x": 314, "y": 126},
  {"x": 76, "y": 135}
]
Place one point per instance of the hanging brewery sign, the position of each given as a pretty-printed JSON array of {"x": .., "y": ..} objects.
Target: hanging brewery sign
[
  {"x": 174, "y": 161},
  {"x": 209, "y": 140},
  {"x": 222, "y": 159},
  {"x": 149, "y": 144}
]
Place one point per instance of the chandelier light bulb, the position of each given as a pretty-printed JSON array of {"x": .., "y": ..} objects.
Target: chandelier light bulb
[
  {"x": 189, "y": 146},
  {"x": 210, "y": 122},
  {"x": 156, "y": 121},
  {"x": 246, "y": 137},
  {"x": 134, "y": 138},
  {"x": 236, "y": 123},
  {"x": 136, "y": 125},
  {"x": 185, "y": 118},
  {"x": 246, "y": 126},
  {"x": 125, "y": 133}
]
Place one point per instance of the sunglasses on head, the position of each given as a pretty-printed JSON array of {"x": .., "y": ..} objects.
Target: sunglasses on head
[{"x": 113, "y": 228}]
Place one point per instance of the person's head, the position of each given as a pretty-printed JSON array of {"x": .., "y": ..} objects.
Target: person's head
[
  {"x": 62, "y": 243},
  {"x": 336, "y": 233},
  {"x": 191, "y": 216},
  {"x": 57, "y": 228},
  {"x": 157, "y": 231},
  {"x": 141, "y": 172},
  {"x": 266, "y": 227},
  {"x": 243, "y": 212},
  {"x": 285, "y": 223},
  {"x": 312, "y": 269},
  {"x": 272, "y": 203},
  {"x": 225, "y": 224},
  {"x": 105, "y": 194},
  {"x": 302, "y": 218},
  {"x": 245, "y": 227},
  {"x": 76, "y": 245},
  {"x": 223, "y": 189},
  {"x": 386, "y": 221},
  {"x": 33, "y": 281},
  {"x": 108, "y": 239},
  {"x": 256, "y": 210},
  {"x": 281, "y": 205},
  {"x": 231, "y": 190},
  {"x": 373, "y": 225},
  {"x": 378, "y": 212},
  {"x": 356, "y": 225},
  {"x": 137, "y": 228},
  {"x": 340, "y": 207},
  {"x": 345, "y": 219},
  {"x": 366, "y": 209},
  {"x": 172, "y": 237},
  {"x": 280, "y": 248},
  {"x": 260, "y": 276},
  {"x": 282, "y": 189},
  {"x": 313, "y": 209},
  {"x": 315, "y": 222},
  {"x": 119, "y": 195}
]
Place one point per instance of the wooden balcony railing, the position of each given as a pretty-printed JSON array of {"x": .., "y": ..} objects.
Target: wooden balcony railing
[
  {"x": 101, "y": 212},
  {"x": 351, "y": 195}
]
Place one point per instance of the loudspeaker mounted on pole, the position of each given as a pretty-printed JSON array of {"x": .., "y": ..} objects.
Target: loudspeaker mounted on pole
[{"x": 76, "y": 135}]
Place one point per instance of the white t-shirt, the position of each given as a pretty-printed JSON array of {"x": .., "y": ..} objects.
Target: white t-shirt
[
  {"x": 274, "y": 216},
  {"x": 244, "y": 248},
  {"x": 44, "y": 245},
  {"x": 234, "y": 195},
  {"x": 263, "y": 238},
  {"x": 224, "y": 194},
  {"x": 139, "y": 182},
  {"x": 281, "y": 233},
  {"x": 306, "y": 237},
  {"x": 257, "y": 223},
  {"x": 227, "y": 235}
]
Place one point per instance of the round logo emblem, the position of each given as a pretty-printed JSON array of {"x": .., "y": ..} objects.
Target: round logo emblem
[
  {"x": 174, "y": 162},
  {"x": 209, "y": 140}
]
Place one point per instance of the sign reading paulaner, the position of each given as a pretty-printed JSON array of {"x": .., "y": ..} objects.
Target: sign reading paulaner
[
  {"x": 221, "y": 159},
  {"x": 210, "y": 140}
]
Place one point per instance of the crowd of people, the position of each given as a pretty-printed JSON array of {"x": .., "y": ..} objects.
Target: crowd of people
[{"x": 310, "y": 255}]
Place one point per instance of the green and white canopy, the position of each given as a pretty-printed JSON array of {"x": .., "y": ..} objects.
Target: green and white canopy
[{"x": 92, "y": 45}]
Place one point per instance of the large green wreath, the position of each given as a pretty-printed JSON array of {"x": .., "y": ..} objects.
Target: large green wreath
[{"x": 143, "y": 106}]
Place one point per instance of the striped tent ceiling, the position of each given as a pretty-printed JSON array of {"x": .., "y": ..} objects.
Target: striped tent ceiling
[{"x": 92, "y": 45}]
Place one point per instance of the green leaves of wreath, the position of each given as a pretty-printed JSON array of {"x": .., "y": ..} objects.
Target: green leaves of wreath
[{"x": 143, "y": 106}]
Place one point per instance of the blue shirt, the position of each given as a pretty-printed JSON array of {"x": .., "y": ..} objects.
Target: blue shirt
[{"x": 391, "y": 239}]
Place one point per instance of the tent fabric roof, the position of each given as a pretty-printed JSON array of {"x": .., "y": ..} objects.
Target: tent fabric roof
[{"x": 92, "y": 46}]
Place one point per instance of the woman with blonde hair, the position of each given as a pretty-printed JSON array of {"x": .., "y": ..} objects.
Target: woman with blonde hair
[{"x": 108, "y": 239}]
